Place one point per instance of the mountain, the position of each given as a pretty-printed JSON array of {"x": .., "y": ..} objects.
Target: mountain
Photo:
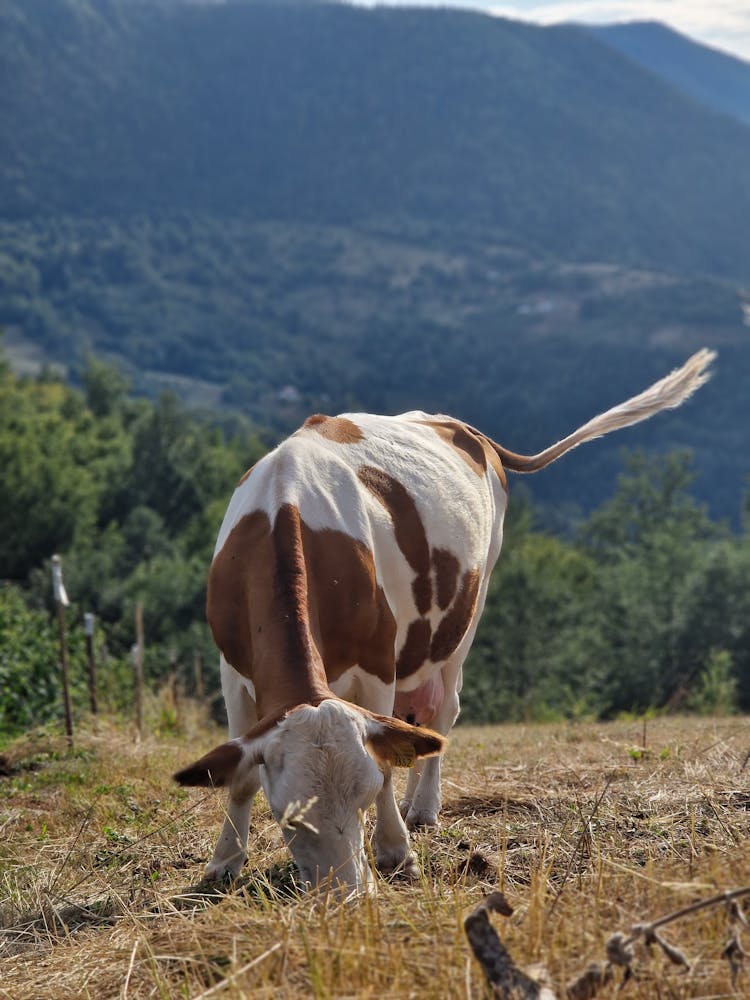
[
  {"x": 716, "y": 79},
  {"x": 284, "y": 208},
  {"x": 337, "y": 114}
]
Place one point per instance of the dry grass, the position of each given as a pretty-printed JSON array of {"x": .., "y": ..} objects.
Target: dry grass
[{"x": 584, "y": 830}]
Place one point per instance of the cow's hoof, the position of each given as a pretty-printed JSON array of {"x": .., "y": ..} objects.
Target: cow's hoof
[
  {"x": 222, "y": 871},
  {"x": 399, "y": 866},
  {"x": 417, "y": 820}
]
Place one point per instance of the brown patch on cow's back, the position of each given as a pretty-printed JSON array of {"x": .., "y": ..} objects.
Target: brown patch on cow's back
[
  {"x": 446, "y": 568},
  {"x": 453, "y": 627},
  {"x": 411, "y": 537},
  {"x": 338, "y": 429},
  {"x": 465, "y": 442},
  {"x": 493, "y": 460},
  {"x": 491, "y": 455}
]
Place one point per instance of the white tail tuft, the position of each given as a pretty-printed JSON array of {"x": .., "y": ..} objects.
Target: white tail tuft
[{"x": 666, "y": 394}]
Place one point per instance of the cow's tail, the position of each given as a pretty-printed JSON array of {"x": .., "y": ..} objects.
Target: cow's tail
[{"x": 665, "y": 394}]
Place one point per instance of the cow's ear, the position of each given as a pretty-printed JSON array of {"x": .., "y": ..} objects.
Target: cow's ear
[
  {"x": 218, "y": 766},
  {"x": 399, "y": 744}
]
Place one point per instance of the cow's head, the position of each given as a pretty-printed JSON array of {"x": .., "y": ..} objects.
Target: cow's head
[{"x": 321, "y": 768}]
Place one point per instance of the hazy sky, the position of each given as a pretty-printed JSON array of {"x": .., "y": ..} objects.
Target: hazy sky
[{"x": 724, "y": 24}]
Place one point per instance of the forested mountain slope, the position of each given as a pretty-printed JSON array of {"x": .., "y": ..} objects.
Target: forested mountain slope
[
  {"x": 336, "y": 114},
  {"x": 715, "y": 78},
  {"x": 284, "y": 208}
]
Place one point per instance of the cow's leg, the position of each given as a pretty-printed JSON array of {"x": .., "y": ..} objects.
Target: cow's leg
[
  {"x": 421, "y": 804},
  {"x": 230, "y": 852},
  {"x": 390, "y": 838},
  {"x": 415, "y": 773}
]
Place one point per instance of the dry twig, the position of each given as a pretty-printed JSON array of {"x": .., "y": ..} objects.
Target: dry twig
[
  {"x": 507, "y": 981},
  {"x": 511, "y": 983},
  {"x": 620, "y": 950}
]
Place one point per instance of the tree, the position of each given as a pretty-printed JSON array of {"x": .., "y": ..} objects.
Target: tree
[
  {"x": 537, "y": 652},
  {"x": 105, "y": 386},
  {"x": 48, "y": 485},
  {"x": 648, "y": 540}
]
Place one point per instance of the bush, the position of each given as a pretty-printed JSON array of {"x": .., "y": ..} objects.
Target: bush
[
  {"x": 30, "y": 665},
  {"x": 716, "y": 690}
]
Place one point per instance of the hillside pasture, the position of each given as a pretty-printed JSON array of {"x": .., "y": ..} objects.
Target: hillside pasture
[{"x": 586, "y": 828}]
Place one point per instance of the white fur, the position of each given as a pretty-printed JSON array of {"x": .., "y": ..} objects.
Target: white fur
[
  {"x": 363, "y": 688},
  {"x": 319, "y": 780},
  {"x": 666, "y": 394}
]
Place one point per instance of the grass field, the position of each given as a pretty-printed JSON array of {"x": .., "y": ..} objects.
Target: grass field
[{"x": 587, "y": 829}]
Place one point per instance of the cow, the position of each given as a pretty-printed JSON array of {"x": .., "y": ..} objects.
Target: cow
[{"x": 346, "y": 586}]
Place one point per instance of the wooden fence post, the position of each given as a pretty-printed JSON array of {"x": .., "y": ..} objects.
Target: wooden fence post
[
  {"x": 174, "y": 686},
  {"x": 104, "y": 663},
  {"x": 88, "y": 629},
  {"x": 138, "y": 664},
  {"x": 198, "y": 674},
  {"x": 62, "y": 602}
]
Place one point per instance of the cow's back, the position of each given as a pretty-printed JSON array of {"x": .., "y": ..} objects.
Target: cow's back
[{"x": 407, "y": 510}]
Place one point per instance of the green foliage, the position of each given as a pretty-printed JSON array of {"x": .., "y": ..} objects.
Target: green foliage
[
  {"x": 56, "y": 460},
  {"x": 131, "y": 495},
  {"x": 105, "y": 387},
  {"x": 536, "y": 656},
  {"x": 716, "y": 691},
  {"x": 279, "y": 320},
  {"x": 30, "y": 664},
  {"x": 645, "y": 606},
  {"x": 647, "y": 539},
  {"x": 650, "y": 609}
]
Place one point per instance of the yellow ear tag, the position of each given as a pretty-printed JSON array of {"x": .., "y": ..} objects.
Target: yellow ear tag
[{"x": 405, "y": 756}]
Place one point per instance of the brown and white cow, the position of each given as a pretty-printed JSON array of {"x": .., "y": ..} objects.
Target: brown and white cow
[{"x": 346, "y": 587}]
